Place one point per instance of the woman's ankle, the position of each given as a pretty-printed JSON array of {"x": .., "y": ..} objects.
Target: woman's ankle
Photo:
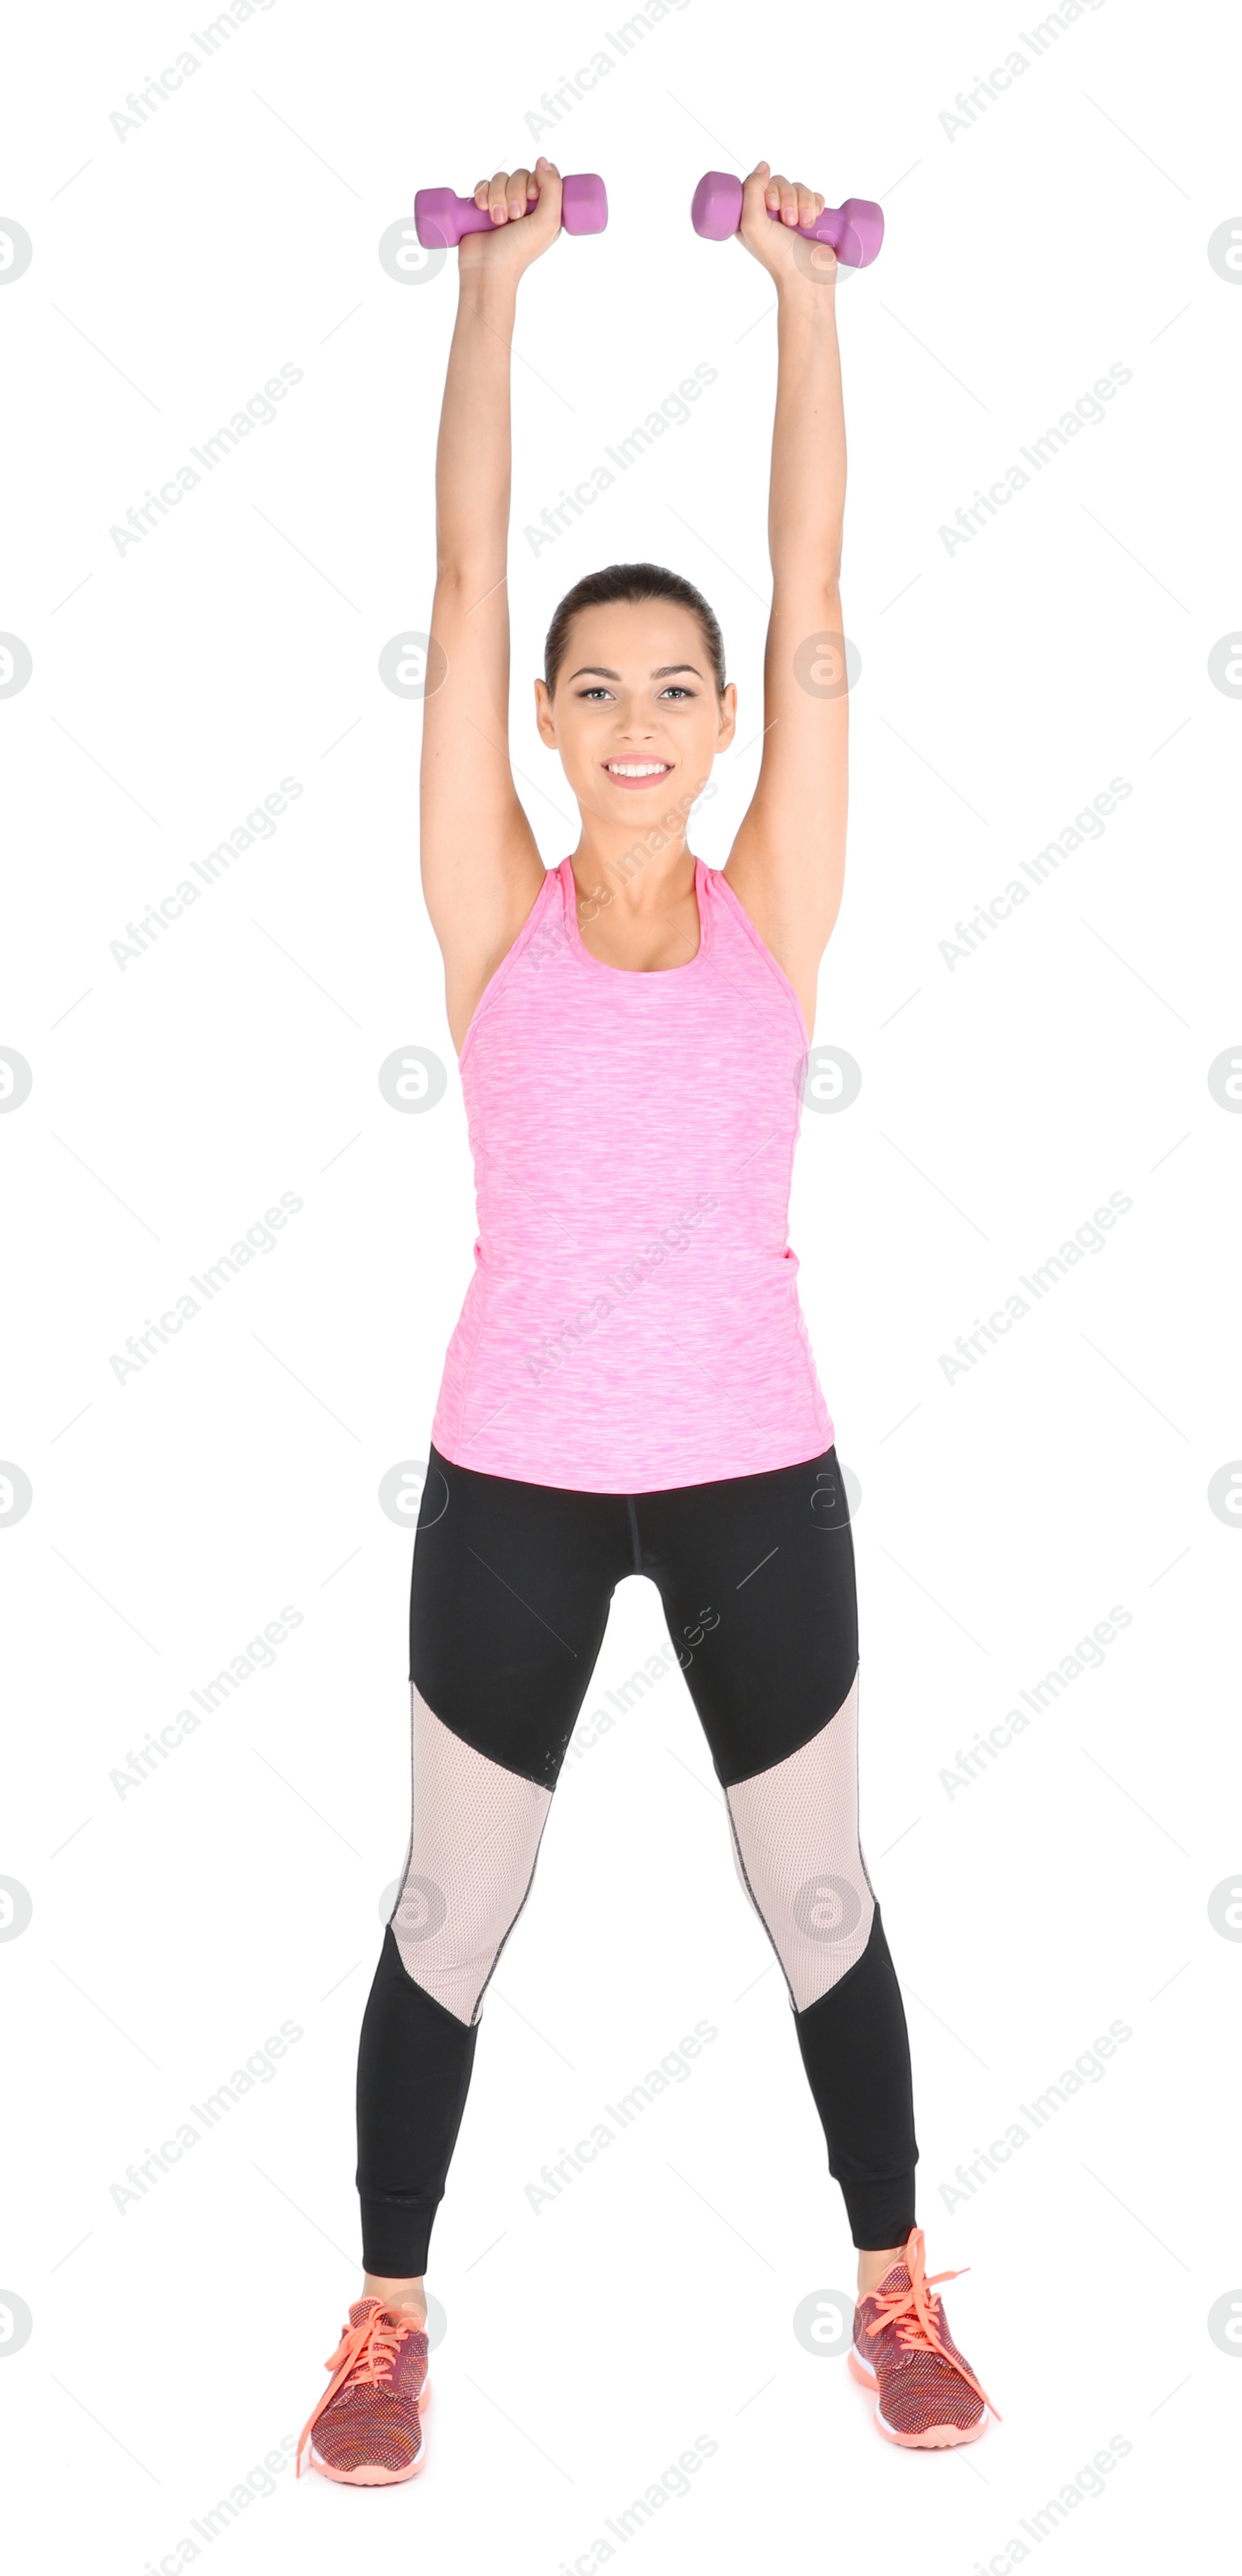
[
  {"x": 873, "y": 2265},
  {"x": 401, "y": 2298}
]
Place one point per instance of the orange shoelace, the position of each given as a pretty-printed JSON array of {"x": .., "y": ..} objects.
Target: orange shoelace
[
  {"x": 917, "y": 2314},
  {"x": 363, "y": 2358}
]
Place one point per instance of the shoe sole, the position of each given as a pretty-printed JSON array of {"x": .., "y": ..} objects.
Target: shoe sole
[
  {"x": 371, "y": 2476},
  {"x": 937, "y": 2437}
]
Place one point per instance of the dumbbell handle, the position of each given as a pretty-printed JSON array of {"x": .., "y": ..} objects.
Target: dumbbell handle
[
  {"x": 854, "y": 230},
  {"x": 440, "y": 218}
]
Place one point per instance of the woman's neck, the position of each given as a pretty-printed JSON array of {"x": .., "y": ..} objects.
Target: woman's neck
[{"x": 645, "y": 918}]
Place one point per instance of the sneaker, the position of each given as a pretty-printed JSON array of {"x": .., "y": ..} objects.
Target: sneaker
[
  {"x": 926, "y": 2397},
  {"x": 366, "y": 2426}
]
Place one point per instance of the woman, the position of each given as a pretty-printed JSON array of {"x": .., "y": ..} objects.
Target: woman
[{"x": 630, "y": 1388}]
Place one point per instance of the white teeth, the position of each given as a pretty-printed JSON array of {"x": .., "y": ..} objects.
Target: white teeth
[{"x": 636, "y": 768}]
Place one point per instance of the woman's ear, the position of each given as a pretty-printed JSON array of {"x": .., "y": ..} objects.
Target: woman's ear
[{"x": 544, "y": 718}]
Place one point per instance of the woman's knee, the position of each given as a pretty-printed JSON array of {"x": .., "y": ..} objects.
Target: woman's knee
[
  {"x": 475, "y": 1838},
  {"x": 797, "y": 1853}
]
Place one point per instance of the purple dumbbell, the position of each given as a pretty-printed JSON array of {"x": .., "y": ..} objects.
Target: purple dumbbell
[
  {"x": 854, "y": 230},
  {"x": 440, "y": 218}
]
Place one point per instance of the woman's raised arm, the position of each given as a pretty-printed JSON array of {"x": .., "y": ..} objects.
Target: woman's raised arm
[
  {"x": 481, "y": 868},
  {"x": 788, "y": 860}
]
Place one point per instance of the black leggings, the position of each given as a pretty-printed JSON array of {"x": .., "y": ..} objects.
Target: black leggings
[{"x": 509, "y": 1601}]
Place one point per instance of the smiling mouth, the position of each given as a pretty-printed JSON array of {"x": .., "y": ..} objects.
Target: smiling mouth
[{"x": 638, "y": 773}]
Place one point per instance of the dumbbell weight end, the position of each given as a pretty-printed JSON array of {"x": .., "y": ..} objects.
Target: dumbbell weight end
[
  {"x": 854, "y": 230},
  {"x": 440, "y": 218}
]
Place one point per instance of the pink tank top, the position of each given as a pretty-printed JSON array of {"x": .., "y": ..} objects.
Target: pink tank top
[{"x": 633, "y": 1320}]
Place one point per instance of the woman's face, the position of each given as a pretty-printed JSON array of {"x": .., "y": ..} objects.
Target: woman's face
[{"x": 636, "y": 693}]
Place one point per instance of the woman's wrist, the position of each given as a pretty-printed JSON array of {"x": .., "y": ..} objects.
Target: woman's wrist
[
  {"x": 489, "y": 292},
  {"x": 814, "y": 298}
]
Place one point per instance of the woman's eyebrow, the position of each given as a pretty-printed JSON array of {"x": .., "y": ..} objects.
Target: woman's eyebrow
[{"x": 665, "y": 672}]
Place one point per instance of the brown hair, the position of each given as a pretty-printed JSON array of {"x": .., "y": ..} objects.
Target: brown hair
[{"x": 631, "y": 581}]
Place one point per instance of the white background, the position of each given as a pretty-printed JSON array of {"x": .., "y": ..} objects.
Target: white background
[{"x": 1003, "y": 684}]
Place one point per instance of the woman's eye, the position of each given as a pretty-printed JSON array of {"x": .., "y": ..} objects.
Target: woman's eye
[{"x": 674, "y": 689}]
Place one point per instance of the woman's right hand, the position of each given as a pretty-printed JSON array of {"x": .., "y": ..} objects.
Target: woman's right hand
[{"x": 525, "y": 206}]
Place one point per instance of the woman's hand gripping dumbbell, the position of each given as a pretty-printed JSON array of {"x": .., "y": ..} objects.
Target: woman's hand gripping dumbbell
[
  {"x": 854, "y": 230},
  {"x": 530, "y": 206}
]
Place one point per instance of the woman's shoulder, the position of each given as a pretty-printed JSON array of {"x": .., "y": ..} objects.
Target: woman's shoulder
[
  {"x": 736, "y": 927},
  {"x": 540, "y": 938}
]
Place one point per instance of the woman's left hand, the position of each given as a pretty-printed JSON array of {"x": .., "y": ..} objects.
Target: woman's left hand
[{"x": 781, "y": 248}]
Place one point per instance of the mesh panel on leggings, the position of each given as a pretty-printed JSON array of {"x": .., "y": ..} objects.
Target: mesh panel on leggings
[
  {"x": 476, "y": 1830},
  {"x": 795, "y": 1829}
]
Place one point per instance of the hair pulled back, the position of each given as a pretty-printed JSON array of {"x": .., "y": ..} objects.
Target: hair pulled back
[{"x": 631, "y": 581}]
